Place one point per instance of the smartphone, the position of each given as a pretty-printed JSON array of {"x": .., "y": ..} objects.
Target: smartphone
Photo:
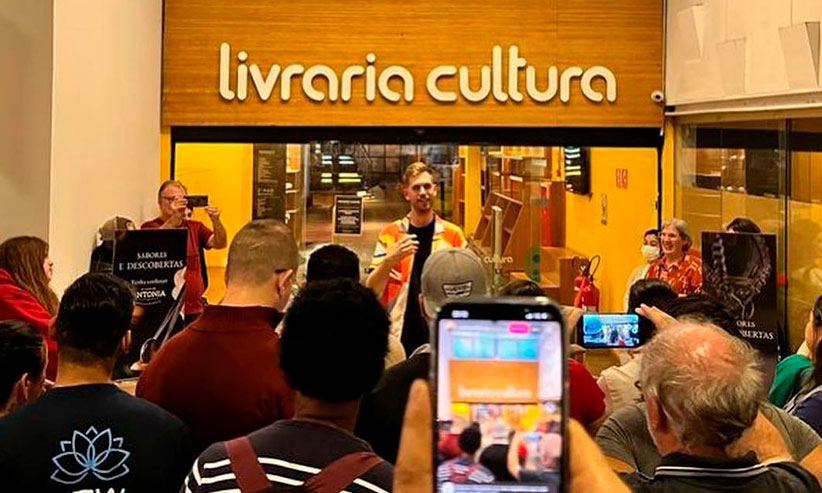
[
  {"x": 196, "y": 201},
  {"x": 499, "y": 378},
  {"x": 610, "y": 330}
]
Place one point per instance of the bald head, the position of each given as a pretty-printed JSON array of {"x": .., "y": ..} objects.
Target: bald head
[
  {"x": 707, "y": 383},
  {"x": 258, "y": 251}
]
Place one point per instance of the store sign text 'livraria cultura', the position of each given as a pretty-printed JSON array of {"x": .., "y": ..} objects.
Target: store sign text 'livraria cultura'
[{"x": 394, "y": 83}]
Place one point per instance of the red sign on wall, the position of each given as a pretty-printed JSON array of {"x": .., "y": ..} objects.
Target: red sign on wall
[{"x": 621, "y": 178}]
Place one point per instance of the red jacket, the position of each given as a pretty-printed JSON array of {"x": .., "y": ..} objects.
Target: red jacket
[{"x": 18, "y": 304}]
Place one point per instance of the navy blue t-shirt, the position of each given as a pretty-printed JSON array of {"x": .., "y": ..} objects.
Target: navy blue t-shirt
[
  {"x": 809, "y": 409},
  {"x": 93, "y": 437}
]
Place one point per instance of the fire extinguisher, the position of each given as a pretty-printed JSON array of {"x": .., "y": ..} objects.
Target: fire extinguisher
[{"x": 587, "y": 296}]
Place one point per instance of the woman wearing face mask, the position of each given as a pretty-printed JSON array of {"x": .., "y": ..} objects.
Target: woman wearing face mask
[
  {"x": 25, "y": 295},
  {"x": 650, "y": 250}
]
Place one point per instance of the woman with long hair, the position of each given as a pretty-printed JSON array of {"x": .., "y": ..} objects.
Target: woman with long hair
[{"x": 25, "y": 295}]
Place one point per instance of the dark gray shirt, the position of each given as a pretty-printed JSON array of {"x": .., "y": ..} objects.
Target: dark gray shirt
[
  {"x": 624, "y": 436},
  {"x": 688, "y": 473}
]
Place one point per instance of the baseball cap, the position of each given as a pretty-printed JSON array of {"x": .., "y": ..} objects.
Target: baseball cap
[{"x": 451, "y": 273}]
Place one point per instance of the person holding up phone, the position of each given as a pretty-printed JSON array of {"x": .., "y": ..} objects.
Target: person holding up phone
[
  {"x": 174, "y": 205},
  {"x": 401, "y": 251}
]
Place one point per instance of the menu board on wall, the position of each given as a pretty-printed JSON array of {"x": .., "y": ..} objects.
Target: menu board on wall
[
  {"x": 269, "y": 181},
  {"x": 154, "y": 262},
  {"x": 740, "y": 269},
  {"x": 348, "y": 213}
]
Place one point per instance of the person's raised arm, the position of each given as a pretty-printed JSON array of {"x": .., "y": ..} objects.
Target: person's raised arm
[
  {"x": 219, "y": 239},
  {"x": 378, "y": 278}
]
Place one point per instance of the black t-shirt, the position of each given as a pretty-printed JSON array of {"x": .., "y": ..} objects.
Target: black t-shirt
[
  {"x": 414, "y": 330},
  {"x": 290, "y": 452},
  {"x": 382, "y": 410},
  {"x": 93, "y": 437}
]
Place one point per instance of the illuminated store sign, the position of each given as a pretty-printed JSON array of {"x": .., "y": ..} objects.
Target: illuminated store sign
[{"x": 395, "y": 83}]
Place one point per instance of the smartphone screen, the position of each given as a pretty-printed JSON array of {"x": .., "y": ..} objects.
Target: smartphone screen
[
  {"x": 500, "y": 379},
  {"x": 609, "y": 330},
  {"x": 197, "y": 200}
]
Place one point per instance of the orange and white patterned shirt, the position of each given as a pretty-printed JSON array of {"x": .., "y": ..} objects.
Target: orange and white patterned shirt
[
  {"x": 684, "y": 276},
  {"x": 395, "y": 295}
]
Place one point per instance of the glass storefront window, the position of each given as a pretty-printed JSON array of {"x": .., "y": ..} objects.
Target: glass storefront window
[
  {"x": 770, "y": 172},
  {"x": 804, "y": 222}
]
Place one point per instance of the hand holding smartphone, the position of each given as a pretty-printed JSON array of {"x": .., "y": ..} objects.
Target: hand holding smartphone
[
  {"x": 193, "y": 201},
  {"x": 611, "y": 330},
  {"x": 499, "y": 366}
]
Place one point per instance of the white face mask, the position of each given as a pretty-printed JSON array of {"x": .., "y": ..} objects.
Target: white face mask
[{"x": 650, "y": 253}]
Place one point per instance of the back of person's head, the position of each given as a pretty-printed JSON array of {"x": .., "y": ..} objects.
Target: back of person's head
[
  {"x": 704, "y": 308},
  {"x": 707, "y": 383},
  {"x": 470, "y": 439},
  {"x": 24, "y": 257},
  {"x": 93, "y": 320},
  {"x": 743, "y": 225},
  {"x": 332, "y": 262},
  {"x": 650, "y": 292},
  {"x": 259, "y": 250},
  {"x": 450, "y": 274},
  {"x": 522, "y": 287},
  {"x": 22, "y": 363},
  {"x": 334, "y": 341}
]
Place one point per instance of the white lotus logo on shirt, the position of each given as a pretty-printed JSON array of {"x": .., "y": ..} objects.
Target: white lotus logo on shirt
[{"x": 92, "y": 452}]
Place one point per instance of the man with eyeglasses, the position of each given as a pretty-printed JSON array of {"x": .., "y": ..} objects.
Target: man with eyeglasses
[
  {"x": 401, "y": 251},
  {"x": 174, "y": 214}
]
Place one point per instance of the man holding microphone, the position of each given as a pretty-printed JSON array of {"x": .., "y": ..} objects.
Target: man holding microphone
[{"x": 401, "y": 251}]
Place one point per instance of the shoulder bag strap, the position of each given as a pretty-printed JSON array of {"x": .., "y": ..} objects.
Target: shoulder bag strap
[
  {"x": 248, "y": 472},
  {"x": 342, "y": 472}
]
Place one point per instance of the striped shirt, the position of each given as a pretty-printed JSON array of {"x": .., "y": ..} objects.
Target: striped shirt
[
  {"x": 462, "y": 470},
  {"x": 290, "y": 452}
]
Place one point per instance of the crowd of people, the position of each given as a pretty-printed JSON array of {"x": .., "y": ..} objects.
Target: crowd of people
[{"x": 324, "y": 391}]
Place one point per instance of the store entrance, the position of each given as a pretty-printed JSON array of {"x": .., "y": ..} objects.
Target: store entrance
[
  {"x": 374, "y": 173},
  {"x": 529, "y": 211}
]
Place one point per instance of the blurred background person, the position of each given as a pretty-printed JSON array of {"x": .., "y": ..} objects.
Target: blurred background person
[
  {"x": 22, "y": 365},
  {"x": 742, "y": 225},
  {"x": 586, "y": 398},
  {"x": 465, "y": 468},
  {"x": 679, "y": 266},
  {"x": 794, "y": 372},
  {"x": 338, "y": 262},
  {"x": 171, "y": 198},
  {"x": 805, "y": 374},
  {"x": 25, "y": 295},
  {"x": 102, "y": 257},
  {"x": 618, "y": 383},
  {"x": 650, "y": 251}
]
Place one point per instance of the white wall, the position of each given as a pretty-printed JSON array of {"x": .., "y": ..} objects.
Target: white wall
[
  {"x": 721, "y": 49},
  {"x": 25, "y": 117},
  {"x": 106, "y": 122}
]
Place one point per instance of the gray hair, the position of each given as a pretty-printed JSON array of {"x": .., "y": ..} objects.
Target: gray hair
[
  {"x": 682, "y": 228},
  {"x": 707, "y": 382}
]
